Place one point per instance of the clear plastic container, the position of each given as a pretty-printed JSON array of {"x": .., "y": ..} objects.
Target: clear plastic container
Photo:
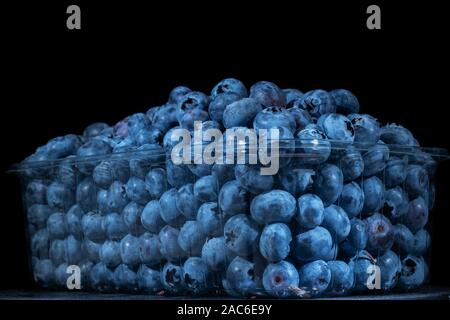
[{"x": 343, "y": 219}]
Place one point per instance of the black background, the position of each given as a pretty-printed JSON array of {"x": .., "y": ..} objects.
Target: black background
[{"x": 128, "y": 56}]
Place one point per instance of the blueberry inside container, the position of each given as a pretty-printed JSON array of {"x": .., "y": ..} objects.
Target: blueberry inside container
[{"x": 329, "y": 204}]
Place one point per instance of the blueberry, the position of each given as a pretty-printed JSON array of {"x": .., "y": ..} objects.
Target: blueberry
[
  {"x": 345, "y": 101},
  {"x": 328, "y": 183},
  {"x": 280, "y": 279},
  {"x": 151, "y": 217},
  {"x": 125, "y": 278},
  {"x": 296, "y": 181},
  {"x": 417, "y": 216},
  {"x": 315, "y": 244},
  {"x": 210, "y": 219},
  {"x": 94, "y": 129},
  {"x": 38, "y": 214},
  {"x": 110, "y": 253},
  {"x": 114, "y": 227},
  {"x": 396, "y": 202},
  {"x": 241, "y": 112},
  {"x": 191, "y": 238},
  {"x": 73, "y": 250},
  {"x": 375, "y": 159},
  {"x": 150, "y": 249},
  {"x": 102, "y": 200},
  {"x": 216, "y": 254},
  {"x": 117, "y": 197},
  {"x": 223, "y": 173},
  {"x": 274, "y": 243},
  {"x": 57, "y": 225},
  {"x": 189, "y": 117},
  {"x": 274, "y": 117},
  {"x": 186, "y": 202},
  {"x": 250, "y": 177},
  {"x": 170, "y": 249},
  {"x": 315, "y": 276},
  {"x": 301, "y": 116},
  {"x": 197, "y": 275},
  {"x": 373, "y": 195},
  {"x": 229, "y": 85},
  {"x": 156, "y": 182},
  {"x": 148, "y": 136},
  {"x": 73, "y": 220},
  {"x": 268, "y": 94},
  {"x": 130, "y": 250},
  {"x": 273, "y": 206},
  {"x": 416, "y": 180},
  {"x": 191, "y": 101},
  {"x": 36, "y": 192},
  {"x": 358, "y": 234},
  {"x": 136, "y": 122},
  {"x": 310, "y": 211},
  {"x": 61, "y": 275},
  {"x": 92, "y": 148},
  {"x": 109, "y": 170},
  {"x": 240, "y": 234},
  {"x": 219, "y": 103},
  {"x": 341, "y": 277},
  {"x": 43, "y": 272},
  {"x": 92, "y": 250},
  {"x": 336, "y": 221},
  {"x": 178, "y": 175},
  {"x": 131, "y": 216},
  {"x": 86, "y": 194},
  {"x": 413, "y": 272},
  {"x": 40, "y": 244},
  {"x": 169, "y": 211},
  {"x": 390, "y": 267},
  {"x": 361, "y": 264},
  {"x": 206, "y": 189},
  {"x": 101, "y": 277},
  {"x": 380, "y": 233},
  {"x": 165, "y": 117},
  {"x": 312, "y": 146},
  {"x": 233, "y": 198},
  {"x": 367, "y": 128},
  {"x": 291, "y": 95},
  {"x": 351, "y": 163},
  {"x": 422, "y": 242},
  {"x": 172, "y": 278},
  {"x": 403, "y": 239},
  {"x": 58, "y": 252},
  {"x": 59, "y": 197},
  {"x": 61, "y": 147},
  {"x": 241, "y": 277},
  {"x": 178, "y": 93},
  {"x": 394, "y": 134},
  {"x": 149, "y": 280},
  {"x": 317, "y": 102},
  {"x": 91, "y": 224},
  {"x": 352, "y": 199},
  {"x": 136, "y": 190},
  {"x": 337, "y": 127}
]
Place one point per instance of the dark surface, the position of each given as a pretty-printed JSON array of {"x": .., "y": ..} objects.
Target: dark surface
[
  {"x": 428, "y": 293},
  {"x": 127, "y": 57}
]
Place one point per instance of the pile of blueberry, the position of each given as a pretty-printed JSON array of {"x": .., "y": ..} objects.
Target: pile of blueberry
[{"x": 346, "y": 212}]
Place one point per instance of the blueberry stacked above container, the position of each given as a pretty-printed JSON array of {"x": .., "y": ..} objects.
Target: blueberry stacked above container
[{"x": 346, "y": 212}]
